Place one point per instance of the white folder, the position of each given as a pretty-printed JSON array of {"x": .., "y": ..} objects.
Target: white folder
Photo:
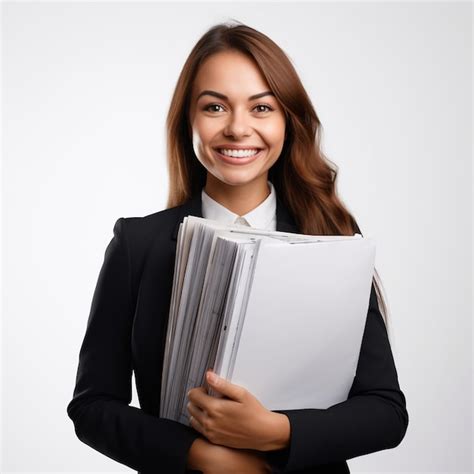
[{"x": 304, "y": 322}]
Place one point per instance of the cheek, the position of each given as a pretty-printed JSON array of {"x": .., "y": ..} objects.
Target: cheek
[
  {"x": 205, "y": 128},
  {"x": 199, "y": 147},
  {"x": 203, "y": 132},
  {"x": 274, "y": 133}
]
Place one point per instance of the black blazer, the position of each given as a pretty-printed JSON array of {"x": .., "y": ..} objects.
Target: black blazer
[{"x": 126, "y": 331}]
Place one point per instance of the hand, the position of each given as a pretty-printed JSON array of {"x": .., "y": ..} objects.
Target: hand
[{"x": 238, "y": 420}]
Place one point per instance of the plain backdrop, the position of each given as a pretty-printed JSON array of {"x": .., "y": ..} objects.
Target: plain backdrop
[{"x": 85, "y": 92}]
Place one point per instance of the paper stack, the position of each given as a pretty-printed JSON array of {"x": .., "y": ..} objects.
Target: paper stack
[{"x": 280, "y": 314}]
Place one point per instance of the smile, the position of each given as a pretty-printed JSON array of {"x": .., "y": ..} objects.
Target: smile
[
  {"x": 246, "y": 156},
  {"x": 238, "y": 153}
]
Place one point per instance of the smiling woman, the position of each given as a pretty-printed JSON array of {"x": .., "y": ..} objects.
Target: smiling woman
[{"x": 243, "y": 145}]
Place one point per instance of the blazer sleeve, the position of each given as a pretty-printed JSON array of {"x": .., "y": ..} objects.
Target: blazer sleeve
[
  {"x": 100, "y": 407},
  {"x": 373, "y": 418}
]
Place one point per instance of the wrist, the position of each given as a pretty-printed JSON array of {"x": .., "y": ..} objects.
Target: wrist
[{"x": 279, "y": 432}]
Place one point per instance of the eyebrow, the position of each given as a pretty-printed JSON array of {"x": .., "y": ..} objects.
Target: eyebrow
[{"x": 224, "y": 97}]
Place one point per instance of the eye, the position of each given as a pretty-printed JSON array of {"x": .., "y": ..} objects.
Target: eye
[
  {"x": 208, "y": 107},
  {"x": 264, "y": 105}
]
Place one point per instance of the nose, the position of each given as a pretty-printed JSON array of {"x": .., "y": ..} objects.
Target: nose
[{"x": 237, "y": 125}]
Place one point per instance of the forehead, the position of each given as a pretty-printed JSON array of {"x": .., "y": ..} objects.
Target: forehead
[{"x": 231, "y": 73}]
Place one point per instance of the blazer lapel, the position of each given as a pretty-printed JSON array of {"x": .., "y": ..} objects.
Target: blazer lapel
[
  {"x": 285, "y": 221},
  {"x": 193, "y": 207}
]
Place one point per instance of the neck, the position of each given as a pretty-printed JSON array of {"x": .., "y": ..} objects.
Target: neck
[{"x": 239, "y": 199}]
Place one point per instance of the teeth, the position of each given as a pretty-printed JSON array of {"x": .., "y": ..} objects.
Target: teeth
[{"x": 238, "y": 153}]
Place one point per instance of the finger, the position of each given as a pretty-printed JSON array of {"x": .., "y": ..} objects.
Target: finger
[
  {"x": 196, "y": 425},
  {"x": 201, "y": 399},
  {"x": 196, "y": 413},
  {"x": 233, "y": 391}
]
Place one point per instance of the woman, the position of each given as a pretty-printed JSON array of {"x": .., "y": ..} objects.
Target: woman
[{"x": 237, "y": 90}]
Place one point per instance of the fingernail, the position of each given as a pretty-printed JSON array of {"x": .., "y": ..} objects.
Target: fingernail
[{"x": 212, "y": 377}]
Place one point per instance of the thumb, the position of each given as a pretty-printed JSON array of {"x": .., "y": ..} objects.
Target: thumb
[{"x": 236, "y": 392}]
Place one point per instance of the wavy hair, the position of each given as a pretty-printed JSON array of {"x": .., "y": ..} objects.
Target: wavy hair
[{"x": 303, "y": 177}]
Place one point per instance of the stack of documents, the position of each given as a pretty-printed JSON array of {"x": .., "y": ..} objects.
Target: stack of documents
[{"x": 280, "y": 314}]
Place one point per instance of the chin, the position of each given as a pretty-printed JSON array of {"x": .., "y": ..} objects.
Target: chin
[
  {"x": 236, "y": 179},
  {"x": 234, "y": 182}
]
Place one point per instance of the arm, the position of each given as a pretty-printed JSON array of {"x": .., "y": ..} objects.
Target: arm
[
  {"x": 197, "y": 454},
  {"x": 211, "y": 458},
  {"x": 373, "y": 418},
  {"x": 100, "y": 407}
]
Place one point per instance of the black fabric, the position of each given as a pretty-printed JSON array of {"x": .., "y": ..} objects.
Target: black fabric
[{"x": 126, "y": 331}]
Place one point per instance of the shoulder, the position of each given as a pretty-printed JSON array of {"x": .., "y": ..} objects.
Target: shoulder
[
  {"x": 136, "y": 236},
  {"x": 141, "y": 231},
  {"x": 160, "y": 221}
]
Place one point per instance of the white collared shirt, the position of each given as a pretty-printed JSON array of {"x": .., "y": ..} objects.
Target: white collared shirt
[{"x": 262, "y": 217}]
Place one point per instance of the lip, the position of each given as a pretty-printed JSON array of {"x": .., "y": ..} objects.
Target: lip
[{"x": 238, "y": 161}]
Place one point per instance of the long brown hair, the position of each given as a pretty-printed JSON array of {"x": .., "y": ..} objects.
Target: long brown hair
[{"x": 303, "y": 177}]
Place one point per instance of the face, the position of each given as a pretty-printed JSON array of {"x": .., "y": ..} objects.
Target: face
[{"x": 225, "y": 113}]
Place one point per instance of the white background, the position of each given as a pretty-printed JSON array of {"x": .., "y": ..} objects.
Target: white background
[{"x": 86, "y": 88}]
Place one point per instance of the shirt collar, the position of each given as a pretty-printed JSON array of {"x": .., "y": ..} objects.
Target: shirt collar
[{"x": 259, "y": 218}]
